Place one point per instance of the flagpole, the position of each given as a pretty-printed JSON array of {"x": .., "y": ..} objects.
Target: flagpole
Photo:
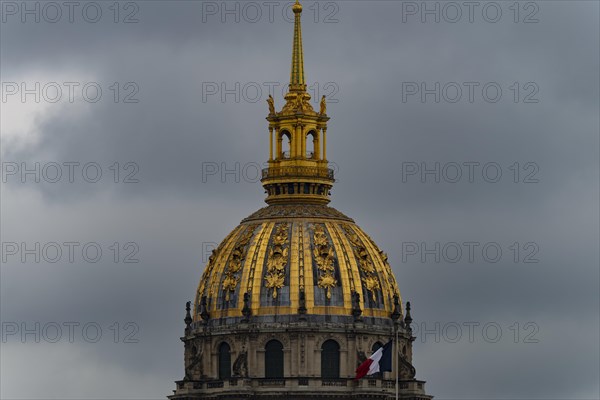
[{"x": 396, "y": 357}]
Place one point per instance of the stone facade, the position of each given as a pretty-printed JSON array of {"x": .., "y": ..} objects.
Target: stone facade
[{"x": 302, "y": 347}]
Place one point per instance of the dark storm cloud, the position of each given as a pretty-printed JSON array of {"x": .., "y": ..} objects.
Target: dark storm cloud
[{"x": 172, "y": 132}]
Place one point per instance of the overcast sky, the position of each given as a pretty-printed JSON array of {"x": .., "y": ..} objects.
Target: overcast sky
[{"x": 473, "y": 127}]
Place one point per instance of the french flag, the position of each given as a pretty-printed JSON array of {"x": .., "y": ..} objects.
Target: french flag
[{"x": 379, "y": 361}]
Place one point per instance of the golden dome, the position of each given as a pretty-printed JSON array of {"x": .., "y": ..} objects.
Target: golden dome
[{"x": 297, "y": 260}]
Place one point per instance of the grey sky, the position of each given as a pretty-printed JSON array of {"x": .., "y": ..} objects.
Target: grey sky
[{"x": 367, "y": 61}]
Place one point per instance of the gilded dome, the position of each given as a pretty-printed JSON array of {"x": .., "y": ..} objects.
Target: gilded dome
[{"x": 296, "y": 260}]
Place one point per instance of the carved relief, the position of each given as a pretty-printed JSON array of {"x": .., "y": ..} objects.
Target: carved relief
[
  {"x": 195, "y": 368},
  {"x": 236, "y": 259},
  {"x": 299, "y": 102},
  {"x": 240, "y": 366},
  {"x": 361, "y": 357},
  {"x": 324, "y": 257},
  {"x": 407, "y": 371},
  {"x": 365, "y": 263},
  {"x": 277, "y": 260},
  {"x": 390, "y": 273},
  {"x": 204, "y": 280},
  {"x": 208, "y": 271}
]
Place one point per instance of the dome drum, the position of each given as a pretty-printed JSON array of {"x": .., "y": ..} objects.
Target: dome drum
[{"x": 309, "y": 362}]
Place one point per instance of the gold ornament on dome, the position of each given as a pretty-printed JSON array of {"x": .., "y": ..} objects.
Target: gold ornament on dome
[
  {"x": 327, "y": 282},
  {"x": 229, "y": 285},
  {"x": 207, "y": 272},
  {"x": 365, "y": 263},
  {"x": 324, "y": 258},
  {"x": 277, "y": 260},
  {"x": 389, "y": 271},
  {"x": 274, "y": 281},
  {"x": 372, "y": 284},
  {"x": 236, "y": 258}
]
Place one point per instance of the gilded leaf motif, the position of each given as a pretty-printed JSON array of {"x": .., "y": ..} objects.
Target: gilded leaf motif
[
  {"x": 274, "y": 281},
  {"x": 327, "y": 282},
  {"x": 324, "y": 259},
  {"x": 236, "y": 259},
  {"x": 277, "y": 260},
  {"x": 365, "y": 262}
]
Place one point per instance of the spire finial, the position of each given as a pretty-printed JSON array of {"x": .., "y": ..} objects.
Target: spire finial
[
  {"x": 297, "y": 8},
  {"x": 297, "y": 83},
  {"x": 408, "y": 319}
]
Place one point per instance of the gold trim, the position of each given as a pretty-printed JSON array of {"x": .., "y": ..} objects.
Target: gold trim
[
  {"x": 249, "y": 264},
  {"x": 300, "y": 256},
  {"x": 215, "y": 278},
  {"x": 381, "y": 272},
  {"x": 309, "y": 288},
  {"x": 253, "y": 283},
  {"x": 351, "y": 264},
  {"x": 206, "y": 274},
  {"x": 295, "y": 265},
  {"x": 370, "y": 278},
  {"x": 236, "y": 261}
]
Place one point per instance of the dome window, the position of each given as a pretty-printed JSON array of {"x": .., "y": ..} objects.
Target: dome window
[
  {"x": 274, "y": 359},
  {"x": 330, "y": 360},
  {"x": 224, "y": 361}
]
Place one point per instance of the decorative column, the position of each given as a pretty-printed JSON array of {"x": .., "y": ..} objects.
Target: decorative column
[
  {"x": 279, "y": 140},
  {"x": 298, "y": 142},
  {"x": 304, "y": 135},
  {"x": 325, "y": 144},
  {"x": 270, "y": 143}
]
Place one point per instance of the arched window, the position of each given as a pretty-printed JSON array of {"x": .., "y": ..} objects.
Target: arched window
[
  {"x": 312, "y": 151},
  {"x": 330, "y": 359},
  {"x": 285, "y": 144},
  {"x": 224, "y": 361},
  {"x": 274, "y": 359}
]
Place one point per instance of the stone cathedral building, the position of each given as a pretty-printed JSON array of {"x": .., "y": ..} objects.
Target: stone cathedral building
[{"x": 297, "y": 296}]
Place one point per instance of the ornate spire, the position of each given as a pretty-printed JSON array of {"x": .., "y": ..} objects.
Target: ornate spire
[
  {"x": 298, "y": 169},
  {"x": 297, "y": 83}
]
